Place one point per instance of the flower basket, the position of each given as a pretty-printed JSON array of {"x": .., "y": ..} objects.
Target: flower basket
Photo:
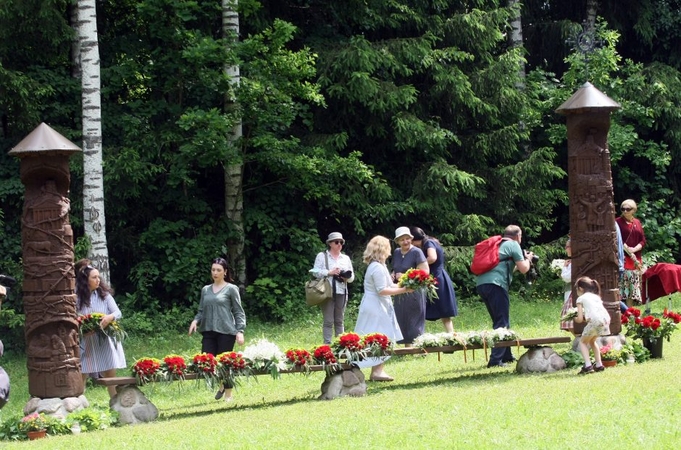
[
  {"x": 610, "y": 355},
  {"x": 418, "y": 279},
  {"x": 37, "y": 434},
  {"x": 33, "y": 422}
]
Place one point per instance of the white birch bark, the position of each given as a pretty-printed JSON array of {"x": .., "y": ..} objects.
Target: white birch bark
[
  {"x": 93, "y": 175},
  {"x": 591, "y": 10},
  {"x": 516, "y": 39},
  {"x": 234, "y": 200}
]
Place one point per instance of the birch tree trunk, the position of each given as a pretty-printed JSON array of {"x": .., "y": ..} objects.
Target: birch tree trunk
[
  {"x": 234, "y": 199},
  {"x": 93, "y": 176},
  {"x": 516, "y": 38},
  {"x": 591, "y": 11}
]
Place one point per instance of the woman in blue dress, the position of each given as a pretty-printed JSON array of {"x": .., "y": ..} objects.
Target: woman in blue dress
[
  {"x": 445, "y": 306},
  {"x": 410, "y": 309},
  {"x": 98, "y": 355}
]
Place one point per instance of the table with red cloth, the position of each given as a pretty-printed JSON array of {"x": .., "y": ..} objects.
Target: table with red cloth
[{"x": 660, "y": 280}]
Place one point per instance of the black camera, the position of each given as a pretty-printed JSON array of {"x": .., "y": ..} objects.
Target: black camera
[
  {"x": 532, "y": 274},
  {"x": 7, "y": 281},
  {"x": 343, "y": 275}
]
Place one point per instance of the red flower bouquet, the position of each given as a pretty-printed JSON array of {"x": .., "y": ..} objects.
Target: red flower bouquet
[
  {"x": 203, "y": 363},
  {"x": 298, "y": 358},
  {"x": 650, "y": 327},
  {"x": 349, "y": 346},
  {"x": 173, "y": 367},
  {"x": 231, "y": 365},
  {"x": 146, "y": 370},
  {"x": 418, "y": 279},
  {"x": 377, "y": 344},
  {"x": 324, "y": 355}
]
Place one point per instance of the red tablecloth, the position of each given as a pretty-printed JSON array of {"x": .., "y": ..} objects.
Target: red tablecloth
[{"x": 660, "y": 280}]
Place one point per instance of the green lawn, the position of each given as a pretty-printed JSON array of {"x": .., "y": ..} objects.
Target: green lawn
[{"x": 433, "y": 404}]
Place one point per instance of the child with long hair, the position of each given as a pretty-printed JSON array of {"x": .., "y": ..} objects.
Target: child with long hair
[{"x": 590, "y": 309}]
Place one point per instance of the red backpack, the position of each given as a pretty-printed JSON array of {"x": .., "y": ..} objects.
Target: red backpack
[{"x": 486, "y": 255}]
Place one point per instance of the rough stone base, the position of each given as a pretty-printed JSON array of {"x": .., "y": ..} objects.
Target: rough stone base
[
  {"x": 56, "y": 407},
  {"x": 540, "y": 359},
  {"x": 616, "y": 340},
  {"x": 133, "y": 406},
  {"x": 348, "y": 382}
]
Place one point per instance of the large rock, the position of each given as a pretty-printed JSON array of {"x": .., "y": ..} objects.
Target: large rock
[
  {"x": 540, "y": 359},
  {"x": 348, "y": 382},
  {"x": 132, "y": 406}
]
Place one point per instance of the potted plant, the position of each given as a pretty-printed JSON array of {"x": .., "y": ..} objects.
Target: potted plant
[
  {"x": 34, "y": 425},
  {"x": 610, "y": 356},
  {"x": 650, "y": 329}
]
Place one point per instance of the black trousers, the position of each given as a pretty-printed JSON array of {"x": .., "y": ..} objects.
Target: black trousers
[{"x": 216, "y": 343}]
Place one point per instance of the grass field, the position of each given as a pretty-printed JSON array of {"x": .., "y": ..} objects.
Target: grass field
[{"x": 432, "y": 404}]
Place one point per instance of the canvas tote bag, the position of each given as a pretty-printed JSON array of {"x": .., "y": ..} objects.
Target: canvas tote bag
[{"x": 318, "y": 290}]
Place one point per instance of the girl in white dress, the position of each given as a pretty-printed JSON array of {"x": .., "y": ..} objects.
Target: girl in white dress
[
  {"x": 376, "y": 312},
  {"x": 590, "y": 309}
]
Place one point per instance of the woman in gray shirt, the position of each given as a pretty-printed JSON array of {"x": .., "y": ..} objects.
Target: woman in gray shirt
[{"x": 221, "y": 319}]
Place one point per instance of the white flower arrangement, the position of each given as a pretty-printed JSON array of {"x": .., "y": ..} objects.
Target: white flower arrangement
[
  {"x": 557, "y": 266},
  {"x": 504, "y": 334},
  {"x": 265, "y": 356},
  {"x": 488, "y": 338}
]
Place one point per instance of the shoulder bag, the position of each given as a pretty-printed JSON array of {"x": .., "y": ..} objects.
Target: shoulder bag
[{"x": 318, "y": 290}]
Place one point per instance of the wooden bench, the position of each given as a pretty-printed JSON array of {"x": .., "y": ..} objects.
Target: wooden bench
[{"x": 527, "y": 343}]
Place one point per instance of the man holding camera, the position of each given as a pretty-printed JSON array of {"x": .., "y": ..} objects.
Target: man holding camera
[
  {"x": 493, "y": 287},
  {"x": 338, "y": 268}
]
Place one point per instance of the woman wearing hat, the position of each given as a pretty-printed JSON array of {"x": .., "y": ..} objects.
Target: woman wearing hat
[
  {"x": 410, "y": 308},
  {"x": 338, "y": 268}
]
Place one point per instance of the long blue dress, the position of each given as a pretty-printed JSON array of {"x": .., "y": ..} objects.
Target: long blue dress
[
  {"x": 445, "y": 305},
  {"x": 410, "y": 309}
]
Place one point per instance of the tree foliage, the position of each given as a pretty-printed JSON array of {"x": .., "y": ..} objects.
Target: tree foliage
[{"x": 358, "y": 116}]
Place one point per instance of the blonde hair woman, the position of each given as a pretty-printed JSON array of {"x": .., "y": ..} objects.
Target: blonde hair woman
[{"x": 376, "y": 312}]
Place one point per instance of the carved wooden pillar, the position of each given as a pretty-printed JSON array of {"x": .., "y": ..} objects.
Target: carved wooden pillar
[
  {"x": 51, "y": 329},
  {"x": 592, "y": 210}
]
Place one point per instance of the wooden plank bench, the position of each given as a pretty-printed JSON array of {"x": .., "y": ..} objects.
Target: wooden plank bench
[{"x": 527, "y": 343}]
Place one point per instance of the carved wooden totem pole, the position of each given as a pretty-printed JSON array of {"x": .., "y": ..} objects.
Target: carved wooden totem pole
[
  {"x": 53, "y": 345},
  {"x": 592, "y": 210}
]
